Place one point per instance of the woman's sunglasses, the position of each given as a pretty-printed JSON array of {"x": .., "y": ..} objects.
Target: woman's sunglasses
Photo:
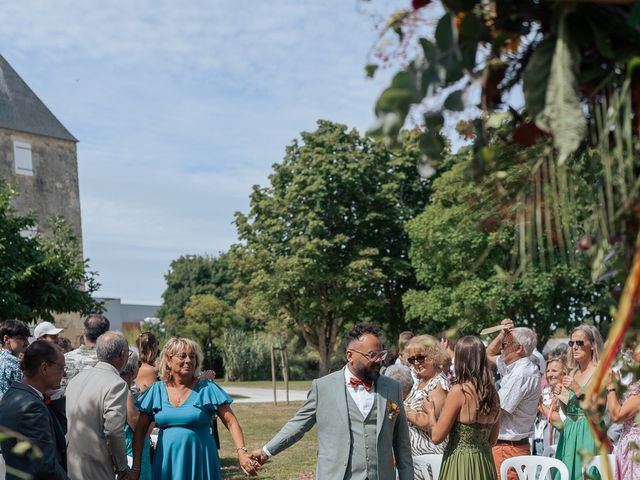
[
  {"x": 579, "y": 343},
  {"x": 417, "y": 358}
]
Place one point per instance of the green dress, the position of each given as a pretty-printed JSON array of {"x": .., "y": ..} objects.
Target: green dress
[
  {"x": 468, "y": 453},
  {"x": 575, "y": 436}
]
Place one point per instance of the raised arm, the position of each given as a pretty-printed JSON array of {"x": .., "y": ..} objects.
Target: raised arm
[{"x": 495, "y": 347}]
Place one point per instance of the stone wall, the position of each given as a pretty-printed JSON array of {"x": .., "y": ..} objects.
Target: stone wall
[{"x": 53, "y": 189}]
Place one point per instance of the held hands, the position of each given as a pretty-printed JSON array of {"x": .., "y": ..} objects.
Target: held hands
[
  {"x": 259, "y": 456},
  {"x": 569, "y": 383},
  {"x": 248, "y": 465}
]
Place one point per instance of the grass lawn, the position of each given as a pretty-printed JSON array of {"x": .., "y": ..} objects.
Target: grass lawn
[
  {"x": 260, "y": 422},
  {"x": 293, "y": 384}
]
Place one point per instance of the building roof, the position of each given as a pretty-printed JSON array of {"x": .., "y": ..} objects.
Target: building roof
[{"x": 22, "y": 110}]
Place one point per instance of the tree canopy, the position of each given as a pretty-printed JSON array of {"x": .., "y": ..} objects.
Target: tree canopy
[
  {"x": 40, "y": 275},
  {"x": 324, "y": 244}
]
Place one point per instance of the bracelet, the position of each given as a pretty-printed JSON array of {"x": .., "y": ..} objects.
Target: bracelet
[
  {"x": 244, "y": 449},
  {"x": 135, "y": 469},
  {"x": 609, "y": 390}
]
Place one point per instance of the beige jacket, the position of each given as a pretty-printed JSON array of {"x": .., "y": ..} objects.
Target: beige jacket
[{"x": 96, "y": 414}]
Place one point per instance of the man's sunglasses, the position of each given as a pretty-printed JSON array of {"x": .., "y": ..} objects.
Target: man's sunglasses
[{"x": 579, "y": 343}]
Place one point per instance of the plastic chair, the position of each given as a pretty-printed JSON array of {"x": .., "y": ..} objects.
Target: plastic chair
[
  {"x": 596, "y": 463},
  {"x": 550, "y": 451},
  {"x": 423, "y": 462},
  {"x": 526, "y": 466},
  {"x": 3, "y": 470}
]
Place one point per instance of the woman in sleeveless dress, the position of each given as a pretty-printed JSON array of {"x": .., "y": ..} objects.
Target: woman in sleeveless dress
[
  {"x": 584, "y": 353},
  {"x": 469, "y": 417},
  {"x": 427, "y": 359}
]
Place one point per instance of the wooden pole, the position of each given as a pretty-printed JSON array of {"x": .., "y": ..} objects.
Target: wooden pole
[
  {"x": 285, "y": 372},
  {"x": 273, "y": 374}
]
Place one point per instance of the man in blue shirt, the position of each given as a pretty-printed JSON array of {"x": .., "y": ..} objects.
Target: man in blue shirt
[{"x": 14, "y": 340}]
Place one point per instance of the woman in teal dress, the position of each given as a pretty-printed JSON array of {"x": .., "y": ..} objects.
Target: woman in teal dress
[
  {"x": 182, "y": 407},
  {"x": 469, "y": 416},
  {"x": 584, "y": 353}
]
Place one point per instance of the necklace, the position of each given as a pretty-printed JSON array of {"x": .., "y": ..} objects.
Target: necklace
[{"x": 177, "y": 396}]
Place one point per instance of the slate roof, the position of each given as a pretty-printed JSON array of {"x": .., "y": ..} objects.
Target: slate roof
[{"x": 22, "y": 110}]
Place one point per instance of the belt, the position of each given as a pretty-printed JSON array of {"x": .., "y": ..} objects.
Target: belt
[{"x": 522, "y": 441}]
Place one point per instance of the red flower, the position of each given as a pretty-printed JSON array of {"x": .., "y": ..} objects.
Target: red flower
[{"x": 416, "y": 4}]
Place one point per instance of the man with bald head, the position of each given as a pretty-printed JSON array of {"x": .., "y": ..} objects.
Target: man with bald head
[
  {"x": 97, "y": 412},
  {"x": 359, "y": 416}
]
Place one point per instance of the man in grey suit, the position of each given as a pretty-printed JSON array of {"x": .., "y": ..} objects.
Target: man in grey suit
[
  {"x": 97, "y": 411},
  {"x": 23, "y": 410},
  {"x": 359, "y": 416}
]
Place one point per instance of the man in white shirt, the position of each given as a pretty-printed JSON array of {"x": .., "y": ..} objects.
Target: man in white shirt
[
  {"x": 359, "y": 416},
  {"x": 519, "y": 391}
]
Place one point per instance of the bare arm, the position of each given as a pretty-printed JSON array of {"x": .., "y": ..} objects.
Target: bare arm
[
  {"x": 621, "y": 412},
  {"x": 147, "y": 376},
  {"x": 419, "y": 418},
  {"x": 495, "y": 430},
  {"x": 132, "y": 412},
  {"x": 494, "y": 348},
  {"x": 139, "y": 434},
  {"x": 231, "y": 423},
  {"x": 441, "y": 427}
]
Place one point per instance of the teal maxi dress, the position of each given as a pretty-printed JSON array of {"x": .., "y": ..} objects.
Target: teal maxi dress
[
  {"x": 186, "y": 449},
  {"x": 575, "y": 436}
]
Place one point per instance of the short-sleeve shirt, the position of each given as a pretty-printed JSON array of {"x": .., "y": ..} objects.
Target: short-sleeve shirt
[
  {"x": 9, "y": 370},
  {"x": 519, "y": 393},
  {"x": 77, "y": 360}
]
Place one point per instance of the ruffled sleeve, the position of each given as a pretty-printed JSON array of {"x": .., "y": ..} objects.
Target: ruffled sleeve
[
  {"x": 150, "y": 401},
  {"x": 210, "y": 396}
]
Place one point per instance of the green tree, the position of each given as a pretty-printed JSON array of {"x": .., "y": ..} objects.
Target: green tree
[
  {"x": 40, "y": 275},
  {"x": 463, "y": 248},
  {"x": 192, "y": 275},
  {"x": 324, "y": 244}
]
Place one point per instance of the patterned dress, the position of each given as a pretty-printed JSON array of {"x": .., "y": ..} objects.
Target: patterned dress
[
  {"x": 421, "y": 443},
  {"x": 626, "y": 450},
  {"x": 9, "y": 370}
]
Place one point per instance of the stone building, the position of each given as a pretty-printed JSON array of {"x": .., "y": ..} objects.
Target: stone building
[{"x": 38, "y": 156}]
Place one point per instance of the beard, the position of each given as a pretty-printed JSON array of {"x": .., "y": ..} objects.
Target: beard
[{"x": 369, "y": 373}]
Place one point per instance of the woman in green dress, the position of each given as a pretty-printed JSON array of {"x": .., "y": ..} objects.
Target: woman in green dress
[
  {"x": 469, "y": 417},
  {"x": 584, "y": 353}
]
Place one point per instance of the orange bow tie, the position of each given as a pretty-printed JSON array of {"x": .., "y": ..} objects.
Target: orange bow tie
[{"x": 356, "y": 381}]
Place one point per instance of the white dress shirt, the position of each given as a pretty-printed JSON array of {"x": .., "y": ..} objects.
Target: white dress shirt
[
  {"x": 364, "y": 400},
  {"x": 519, "y": 393}
]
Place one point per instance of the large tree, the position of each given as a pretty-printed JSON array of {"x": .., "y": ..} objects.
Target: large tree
[
  {"x": 40, "y": 275},
  {"x": 464, "y": 247},
  {"x": 192, "y": 275},
  {"x": 324, "y": 244}
]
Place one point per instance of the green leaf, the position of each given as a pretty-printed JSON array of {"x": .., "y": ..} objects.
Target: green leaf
[
  {"x": 430, "y": 50},
  {"x": 431, "y": 145},
  {"x": 21, "y": 447},
  {"x": 496, "y": 119},
  {"x": 562, "y": 114},
  {"x": 371, "y": 70},
  {"x": 536, "y": 77},
  {"x": 445, "y": 33},
  {"x": 454, "y": 101},
  {"x": 395, "y": 100},
  {"x": 633, "y": 19},
  {"x": 600, "y": 39}
]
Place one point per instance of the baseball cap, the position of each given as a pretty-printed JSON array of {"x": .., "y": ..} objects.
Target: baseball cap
[{"x": 46, "y": 328}]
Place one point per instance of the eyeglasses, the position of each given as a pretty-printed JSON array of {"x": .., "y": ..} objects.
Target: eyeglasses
[
  {"x": 416, "y": 358},
  {"x": 578, "y": 343},
  {"x": 183, "y": 356},
  {"x": 373, "y": 356},
  {"x": 508, "y": 344}
]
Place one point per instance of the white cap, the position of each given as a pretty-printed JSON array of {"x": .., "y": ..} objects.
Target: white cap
[{"x": 46, "y": 328}]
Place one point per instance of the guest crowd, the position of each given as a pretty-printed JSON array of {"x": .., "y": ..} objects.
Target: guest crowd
[{"x": 89, "y": 413}]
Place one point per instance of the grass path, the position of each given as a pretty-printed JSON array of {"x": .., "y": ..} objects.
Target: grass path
[{"x": 260, "y": 421}]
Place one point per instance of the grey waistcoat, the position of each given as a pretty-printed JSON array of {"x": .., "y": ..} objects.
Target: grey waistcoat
[{"x": 363, "y": 456}]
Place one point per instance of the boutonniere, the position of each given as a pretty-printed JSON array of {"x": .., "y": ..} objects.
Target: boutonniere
[{"x": 394, "y": 411}]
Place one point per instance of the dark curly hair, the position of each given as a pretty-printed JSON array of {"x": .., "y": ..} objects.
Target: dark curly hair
[
  {"x": 358, "y": 331},
  {"x": 13, "y": 328}
]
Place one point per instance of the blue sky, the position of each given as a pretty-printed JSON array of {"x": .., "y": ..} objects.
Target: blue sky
[{"x": 180, "y": 107}]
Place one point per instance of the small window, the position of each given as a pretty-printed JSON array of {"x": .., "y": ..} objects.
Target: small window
[{"x": 22, "y": 156}]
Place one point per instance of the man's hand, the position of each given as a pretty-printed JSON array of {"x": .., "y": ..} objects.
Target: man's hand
[
  {"x": 508, "y": 324},
  {"x": 248, "y": 464},
  {"x": 259, "y": 456},
  {"x": 207, "y": 375}
]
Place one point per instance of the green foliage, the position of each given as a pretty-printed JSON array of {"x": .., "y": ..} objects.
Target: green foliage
[
  {"x": 463, "y": 246},
  {"x": 246, "y": 355},
  {"x": 324, "y": 245},
  {"x": 40, "y": 275},
  {"x": 192, "y": 275}
]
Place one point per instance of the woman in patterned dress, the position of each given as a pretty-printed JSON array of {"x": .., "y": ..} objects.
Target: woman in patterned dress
[
  {"x": 428, "y": 359},
  {"x": 625, "y": 413}
]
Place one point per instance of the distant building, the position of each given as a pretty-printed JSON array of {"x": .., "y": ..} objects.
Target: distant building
[
  {"x": 126, "y": 317},
  {"x": 38, "y": 157}
]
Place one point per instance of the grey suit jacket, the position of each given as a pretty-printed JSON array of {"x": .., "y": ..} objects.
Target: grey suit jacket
[
  {"x": 96, "y": 412},
  {"x": 326, "y": 407},
  {"x": 23, "y": 411}
]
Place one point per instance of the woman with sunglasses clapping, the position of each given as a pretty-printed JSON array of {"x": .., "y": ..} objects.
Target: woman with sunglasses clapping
[
  {"x": 427, "y": 359},
  {"x": 584, "y": 353}
]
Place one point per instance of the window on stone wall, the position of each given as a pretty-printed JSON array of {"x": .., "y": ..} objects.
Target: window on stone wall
[{"x": 22, "y": 156}]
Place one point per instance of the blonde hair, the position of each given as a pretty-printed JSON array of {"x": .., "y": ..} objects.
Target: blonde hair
[
  {"x": 595, "y": 339},
  {"x": 561, "y": 360},
  {"x": 432, "y": 349},
  {"x": 174, "y": 346}
]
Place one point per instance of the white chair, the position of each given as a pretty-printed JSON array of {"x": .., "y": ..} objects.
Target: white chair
[
  {"x": 596, "y": 463},
  {"x": 3, "y": 470},
  {"x": 423, "y": 462},
  {"x": 527, "y": 466},
  {"x": 550, "y": 451}
]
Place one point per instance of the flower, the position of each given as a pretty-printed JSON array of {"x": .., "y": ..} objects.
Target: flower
[
  {"x": 416, "y": 4},
  {"x": 394, "y": 411}
]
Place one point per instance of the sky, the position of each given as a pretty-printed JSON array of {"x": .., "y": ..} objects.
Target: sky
[{"x": 181, "y": 107}]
